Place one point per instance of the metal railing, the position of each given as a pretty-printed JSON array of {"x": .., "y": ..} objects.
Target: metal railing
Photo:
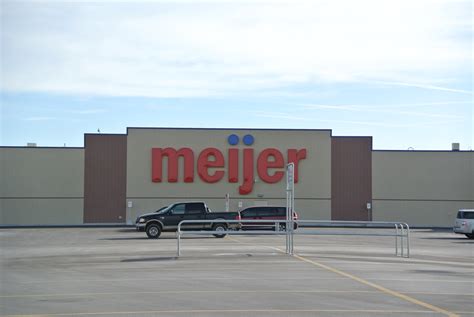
[
  {"x": 401, "y": 233},
  {"x": 269, "y": 223}
]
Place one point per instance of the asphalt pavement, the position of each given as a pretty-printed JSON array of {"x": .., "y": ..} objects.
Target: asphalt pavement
[{"x": 119, "y": 272}]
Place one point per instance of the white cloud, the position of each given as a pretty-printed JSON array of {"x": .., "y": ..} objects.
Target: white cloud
[
  {"x": 40, "y": 118},
  {"x": 425, "y": 86},
  {"x": 201, "y": 49},
  {"x": 382, "y": 110},
  {"x": 87, "y": 111},
  {"x": 375, "y": 123},
  {"x": 385, "y": 106}
]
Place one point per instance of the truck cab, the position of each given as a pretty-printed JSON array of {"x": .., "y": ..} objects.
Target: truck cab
[{"x": 167, "y": 219}]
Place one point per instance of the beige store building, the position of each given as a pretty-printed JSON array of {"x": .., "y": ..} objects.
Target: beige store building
[{"x": 116, "y": 177}]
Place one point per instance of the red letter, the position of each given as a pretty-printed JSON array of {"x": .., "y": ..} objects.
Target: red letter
[
  {"x": 263, "y": 164},
  {"x": 157, "y": 168},
  {"x": 204, "y": 164},
  {"x": 233, "y": 165},
  {"x": 246, "y": 187},
  {"x": 294, "y": 156}
]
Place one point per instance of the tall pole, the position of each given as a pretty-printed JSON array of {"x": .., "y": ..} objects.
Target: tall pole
[{"x": 290, "y": 189}]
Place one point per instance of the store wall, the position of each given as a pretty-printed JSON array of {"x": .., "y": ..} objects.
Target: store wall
[
  {"x": 46, "y": 186},
  {"x": 422, "y": 188},
  {"x": 41, "y": 186},
  {"x": 313, "y": 192},
  {"x": 105, "y": 178},
  {"x": 351, "y": 185}
]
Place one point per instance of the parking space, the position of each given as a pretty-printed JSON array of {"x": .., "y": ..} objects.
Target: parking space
[{"x": 117, "y": 271}]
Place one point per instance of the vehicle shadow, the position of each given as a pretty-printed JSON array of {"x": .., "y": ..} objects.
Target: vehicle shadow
[
  {"x": 123, "y": 238},
  {"x": 160, "y": 238},
  {"x": 438, "y": 229},
  {"x": 131, "y": 229},
  {"x": 446, "y": 238},
  {"x": 159, "y": 258},
  {"x": 459, "y": 240},
  {"x": 443, "y": 272}
]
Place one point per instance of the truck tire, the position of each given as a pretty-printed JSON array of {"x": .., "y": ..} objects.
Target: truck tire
[
  {"x": 282, "y": 227},
  {"x": 153, "y": 231},
  {"x": 470, "y": 235},
  {"x": 219, "y": 227}
]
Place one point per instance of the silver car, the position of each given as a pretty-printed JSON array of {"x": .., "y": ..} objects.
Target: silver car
[{"x": 464, "y": 223}]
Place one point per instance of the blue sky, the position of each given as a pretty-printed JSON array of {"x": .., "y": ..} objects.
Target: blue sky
[{"x": 400, "y": 71}]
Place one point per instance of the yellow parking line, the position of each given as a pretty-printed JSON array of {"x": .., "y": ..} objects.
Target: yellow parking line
[
  {"x": 380, "y": 288},
  {"x": 365, "y": 282}
]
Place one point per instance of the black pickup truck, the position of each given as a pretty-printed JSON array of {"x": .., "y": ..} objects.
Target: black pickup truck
[{"x": 166, "y": 219}]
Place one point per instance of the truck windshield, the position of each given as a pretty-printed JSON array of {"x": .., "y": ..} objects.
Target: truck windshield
[
  {"x": 465, "y": 215},
  {"x": 162, "y": 209}
]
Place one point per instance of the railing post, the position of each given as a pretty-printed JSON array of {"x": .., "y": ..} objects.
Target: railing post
[
  {"x": 401, "y": 240},
  {"x": 396, "y": 239},
  {"x": 179, "y": 239},
  {"x": 408, "y": 240},
  {"x": 290, "y": 205},
  {"x": 287, "y": 238},
  {"x": 292, "y": 246}
]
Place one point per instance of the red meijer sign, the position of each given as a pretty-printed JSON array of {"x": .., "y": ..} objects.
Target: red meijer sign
[{"x": 211, "y": 165}]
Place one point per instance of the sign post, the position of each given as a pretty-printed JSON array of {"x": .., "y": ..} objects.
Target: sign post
[
  {"x": 227, "y": 202},
  {"x": 290, "y": 202},
  {"x": 128, "y": 216}
]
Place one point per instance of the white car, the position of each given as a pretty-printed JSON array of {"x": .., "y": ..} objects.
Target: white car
[{"x": 465, "y": 223}]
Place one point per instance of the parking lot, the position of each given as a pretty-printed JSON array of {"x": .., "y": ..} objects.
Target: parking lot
[{"x": 119, "y": 272}]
